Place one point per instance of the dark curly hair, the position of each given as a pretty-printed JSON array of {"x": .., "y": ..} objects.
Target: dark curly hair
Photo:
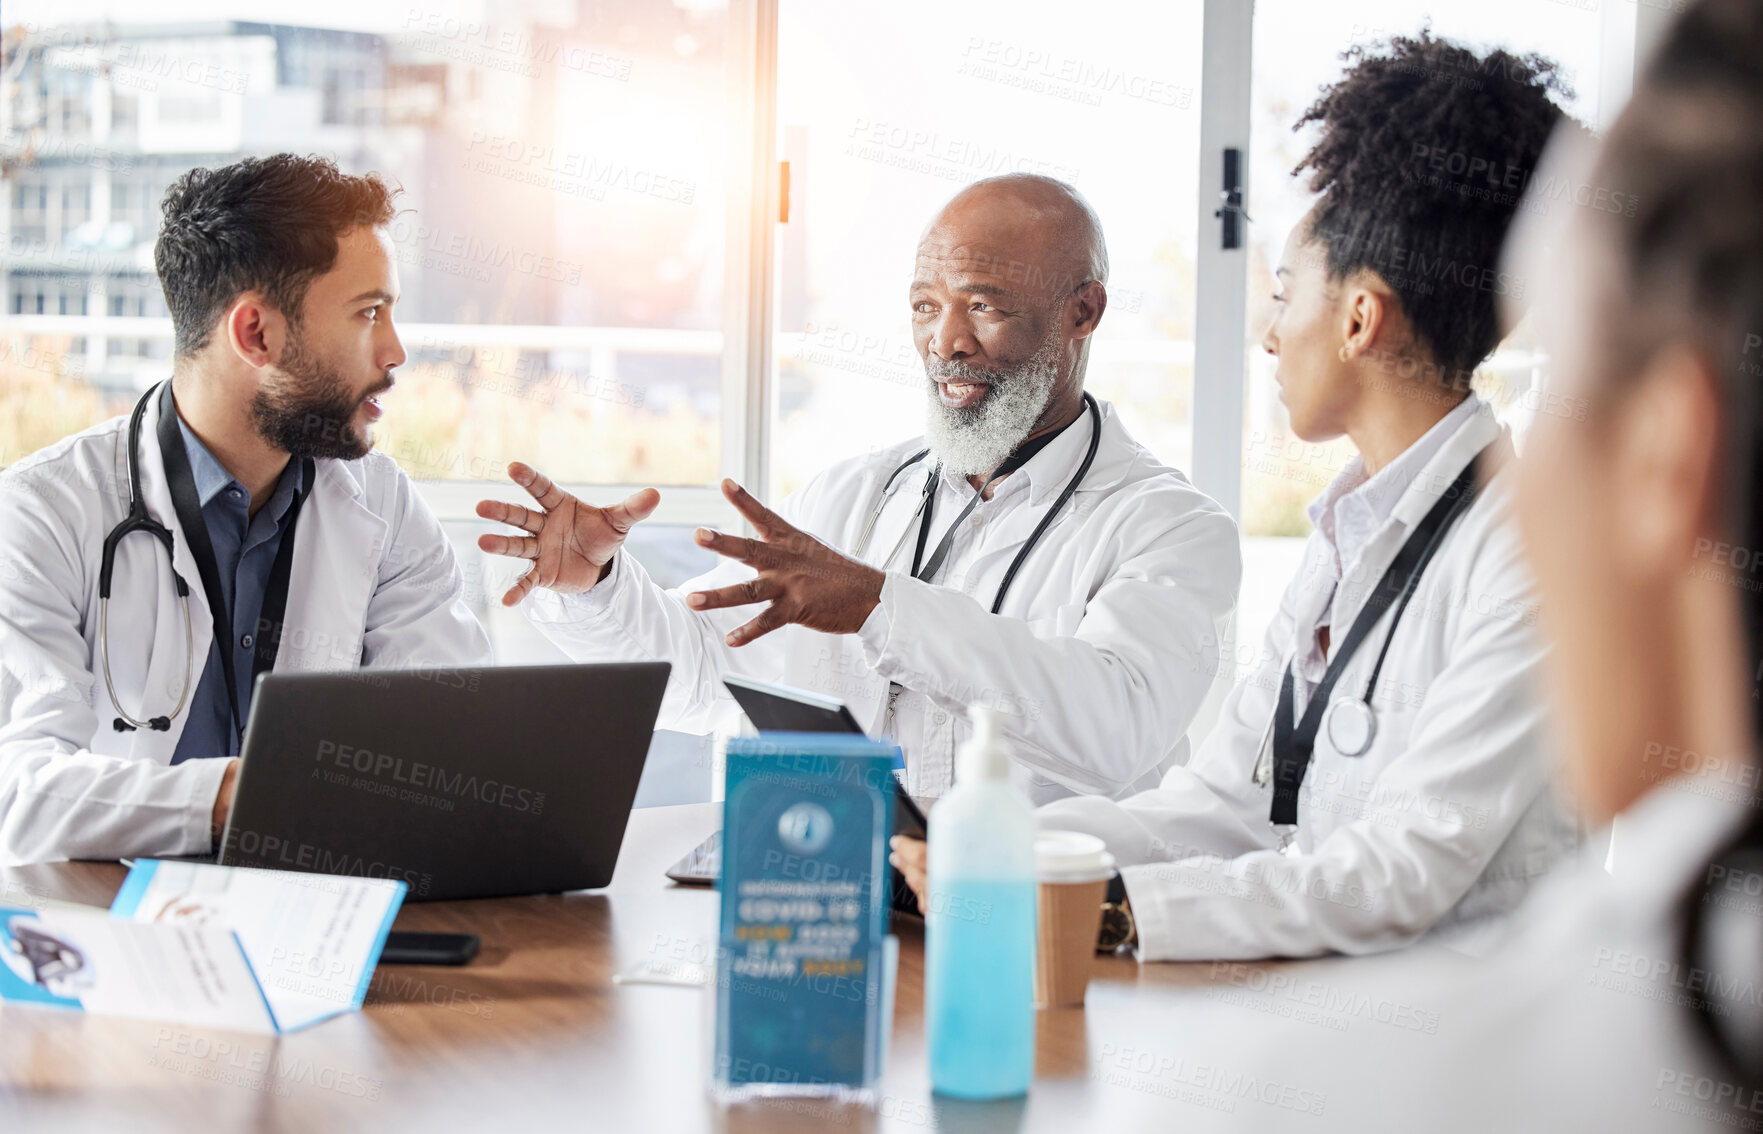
[
  {"x": 1426, "y": 150},
  {"x": 265, "y": 224}
]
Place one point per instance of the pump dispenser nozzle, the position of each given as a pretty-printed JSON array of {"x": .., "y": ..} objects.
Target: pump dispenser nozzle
[{"x": 984, "y": 756}]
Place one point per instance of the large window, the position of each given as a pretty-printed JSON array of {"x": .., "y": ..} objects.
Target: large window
[
  {"x": 884, "y": 111},
  {"x": 569, "y": 244},
  {"x": 561, "y": 254},
  {"x": 607, "y": 271}
]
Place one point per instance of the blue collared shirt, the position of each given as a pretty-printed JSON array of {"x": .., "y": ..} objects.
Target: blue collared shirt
[{"x": 245, "y": 547}]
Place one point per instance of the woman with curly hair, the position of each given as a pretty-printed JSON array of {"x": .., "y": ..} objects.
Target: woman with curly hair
[
  {"x": 1380, "y": 775},
  {"x": 1630, "y": 996}
]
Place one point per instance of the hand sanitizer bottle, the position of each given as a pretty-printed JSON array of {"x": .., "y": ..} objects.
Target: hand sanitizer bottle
[{"x": 979, "y": 931}]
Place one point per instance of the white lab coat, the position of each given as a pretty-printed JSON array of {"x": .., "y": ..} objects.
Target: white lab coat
[
  {"x": 374, "y": 583},
  {"x": 1097, "y": 658},
  {"x": 1583, "y": 1019},
  {"x": 1444, "y": 822},
  {"x": 1580, "y": 1020}
]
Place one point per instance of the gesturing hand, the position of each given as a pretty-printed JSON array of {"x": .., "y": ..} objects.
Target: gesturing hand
[
  {"x": 571, "y": 543},
  {"x": 805, "y": 581}
]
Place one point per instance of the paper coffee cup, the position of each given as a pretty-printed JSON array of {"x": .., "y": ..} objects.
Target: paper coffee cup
[{"x": 1073, "y": 870}]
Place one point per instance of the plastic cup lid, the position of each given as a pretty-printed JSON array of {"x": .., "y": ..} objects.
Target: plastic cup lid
[{"x": 1071, "y": 856}]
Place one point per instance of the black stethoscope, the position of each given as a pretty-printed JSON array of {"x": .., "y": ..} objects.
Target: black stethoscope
[
  {"x": 923, "y": 511},
  {"x": 183, "y": 492},
  {"x": 139, "y": 521},
  {"x": 1349, "y": 722}
]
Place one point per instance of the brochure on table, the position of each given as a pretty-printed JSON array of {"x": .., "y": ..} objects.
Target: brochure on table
[
  {"x": 208, "y": 946},
  {"x": 804, "y": 983}
]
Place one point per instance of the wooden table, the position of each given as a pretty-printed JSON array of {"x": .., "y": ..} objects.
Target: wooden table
[{"x": 534, "y": 1035}]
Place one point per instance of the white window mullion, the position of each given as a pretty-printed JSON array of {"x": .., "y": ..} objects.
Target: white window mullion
[
  {"x": 752, "y": 217},
  {"x": 1221, "y": 275}
]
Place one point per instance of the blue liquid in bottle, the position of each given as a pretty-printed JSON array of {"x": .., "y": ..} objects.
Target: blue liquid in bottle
[
  {"x": 979, "y": 988},
  {"x": 979, "y": 930}
]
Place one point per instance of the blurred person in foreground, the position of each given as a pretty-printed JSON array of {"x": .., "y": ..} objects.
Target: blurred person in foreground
[{"x": 1283, "y": 837}]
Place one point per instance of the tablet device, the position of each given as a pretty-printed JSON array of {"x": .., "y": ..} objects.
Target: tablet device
[{"x": 779, "y": 708}]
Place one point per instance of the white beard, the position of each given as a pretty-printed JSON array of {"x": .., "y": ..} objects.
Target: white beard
[{"x": 975, "y": 440}]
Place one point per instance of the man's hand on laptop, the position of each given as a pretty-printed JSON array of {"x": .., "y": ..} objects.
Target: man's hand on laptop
[
  {"x": 805, "y": 581},
  {"x": 571, "y": 543},
  {"x": 223, "y": 800}
]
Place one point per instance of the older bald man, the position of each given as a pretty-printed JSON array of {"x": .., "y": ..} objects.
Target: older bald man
[{"x": 1025, "y": 553}]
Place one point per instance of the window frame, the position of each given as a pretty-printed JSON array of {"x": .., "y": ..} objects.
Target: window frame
[
  {"x": 749, "y": 340},
  {"x": 1221, "y": 275}
]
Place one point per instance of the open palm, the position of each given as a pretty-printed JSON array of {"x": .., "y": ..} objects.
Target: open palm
[{"x": 569, "y": 541}]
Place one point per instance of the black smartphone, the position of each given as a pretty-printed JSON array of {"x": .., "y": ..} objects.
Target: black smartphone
[{"x": 429, "y": 948}]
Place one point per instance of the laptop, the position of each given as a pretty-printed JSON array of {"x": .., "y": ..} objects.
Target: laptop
[
  {"x": 464, "y": 783},
  {"x": 780, "y": 708}
]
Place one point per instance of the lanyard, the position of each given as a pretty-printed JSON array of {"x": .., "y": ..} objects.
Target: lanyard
[
  {"x": 1011, "y": 463},
  {"x": 1292, "y": 748},
  {"x": 182, "y": 482}
]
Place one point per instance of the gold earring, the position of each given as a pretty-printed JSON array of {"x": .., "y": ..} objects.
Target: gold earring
[{"x": 1344, "y": 355}]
